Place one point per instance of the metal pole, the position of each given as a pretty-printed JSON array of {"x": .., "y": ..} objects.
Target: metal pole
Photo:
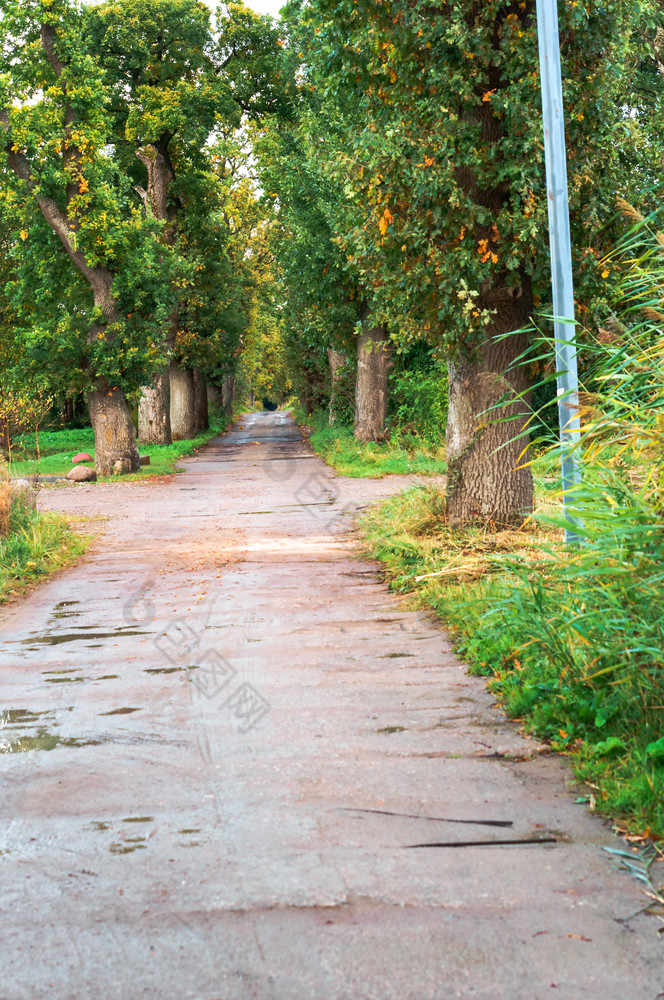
[{"x": 561, "y": 248}]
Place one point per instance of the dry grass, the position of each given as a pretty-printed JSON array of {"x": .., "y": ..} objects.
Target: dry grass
[{"x": 463, "y": 556}]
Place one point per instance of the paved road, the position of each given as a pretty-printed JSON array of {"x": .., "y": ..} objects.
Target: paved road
[{"x": 249, "y": 771}]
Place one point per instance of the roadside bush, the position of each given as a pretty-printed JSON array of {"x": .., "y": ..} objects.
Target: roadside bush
[{"x": 418, "y": 397}]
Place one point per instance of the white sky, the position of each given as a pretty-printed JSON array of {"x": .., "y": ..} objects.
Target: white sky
[
  {"x": 271, "y": 7},
  {"x": 266, "y": 6}
]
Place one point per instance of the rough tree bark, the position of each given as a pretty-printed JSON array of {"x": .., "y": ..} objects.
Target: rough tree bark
[
  {"x": 337, "y": 362},
  {"x": 183, "y": 416},
  {"x": 201, "y": 401},
  {"x": 113, "y": 415},
  {"x": 154, "y": 418},
  {"x": 374, "y": 361},
  {"x": 115, "y": 436},
  {"x": 154, "y": 411},
  {"x": 488, "y": 479}
]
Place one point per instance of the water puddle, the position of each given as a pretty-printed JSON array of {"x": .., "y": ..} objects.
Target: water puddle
[
  {"x": 128, "y": 846},
  {"x": 395, "y": 656},
  {"x": 392, "y": 729},
  {"x": 24, "y": 717},
  {"x": 44, "y": 739},
  {"x": 169, "y": 670},
  {"x": 121, "y": 711},
  {"x": 138, "y": 819},
  {"x": 64, "y": 680},
  {"x": 56, "y": 639}
]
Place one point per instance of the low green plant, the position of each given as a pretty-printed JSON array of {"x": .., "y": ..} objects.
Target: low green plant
[
  {"x": 398, "y": 456},
  {"x": 38, "y": 545},
  {"x": 418, "y": 398}
]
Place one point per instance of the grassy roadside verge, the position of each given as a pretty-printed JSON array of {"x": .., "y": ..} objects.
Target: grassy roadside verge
[
  {"x": 57, "y": 448},
  {"x": 577, "y": 656},
  {"x": 402, "y": 455},
  {"x": 573, "y": 648},
  {"x": 38, "y": 545}
]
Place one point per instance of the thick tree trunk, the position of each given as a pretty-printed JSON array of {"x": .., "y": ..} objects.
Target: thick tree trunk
[
  {"x": 154, "y": 416},
  {"x": 200, "y": 401},
  {"x": 115, "y": 436},
  {"x": 228, "y": 394},
  {"x": 374, "y": 360},
  {"x": 488, "y": 478},
  {"x": 337, "y": 364},
  {"x": 183, "y": 416}
]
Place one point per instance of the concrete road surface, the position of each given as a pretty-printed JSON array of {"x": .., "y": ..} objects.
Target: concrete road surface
[{"x": 235, "y": 766}]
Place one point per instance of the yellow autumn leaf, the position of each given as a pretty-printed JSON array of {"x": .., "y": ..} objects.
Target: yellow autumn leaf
[{"x": 384, "y": 222}]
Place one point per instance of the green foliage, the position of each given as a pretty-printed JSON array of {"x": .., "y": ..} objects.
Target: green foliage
[
  {"x": 424, "y": 125},
  {"x": 83, "y": 89},
  {"x": 418, "y": 396},
  {"x": 61, "y": 189},
  {"x": 339, "y": 449}
]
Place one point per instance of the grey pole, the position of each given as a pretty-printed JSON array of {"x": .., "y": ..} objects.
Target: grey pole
[{"x": 561, "y": 247}]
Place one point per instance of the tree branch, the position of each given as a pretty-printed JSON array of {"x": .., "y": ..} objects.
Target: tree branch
[
  {"x": 99, "y": 278},
  {"x": 48, "y": 44}
]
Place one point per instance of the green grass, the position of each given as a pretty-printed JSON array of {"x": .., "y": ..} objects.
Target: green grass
[
  {"x": 402, "y": 455},
  {"x": 573, "y": 644},
  {"x": 57, "y": 449},
  {"x": 38, "y": 545}
]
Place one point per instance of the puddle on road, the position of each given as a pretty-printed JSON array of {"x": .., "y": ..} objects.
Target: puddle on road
[
  {"x": 55, "y": 639},
  {"x": 128, "y": 846},
  {"x": 97, "y": 825},
  {"x": 169, "y": 670},
  {"x": 395, "y": 656},
  {"x": 392, "y": 729},
  {"x": 44, "y": 739},
  {"x": 138, "y": 819},
  {"x": 24, "y": 717},
  {"x": 64, "y": 680},
  {"x": 121, "y": 711}
]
